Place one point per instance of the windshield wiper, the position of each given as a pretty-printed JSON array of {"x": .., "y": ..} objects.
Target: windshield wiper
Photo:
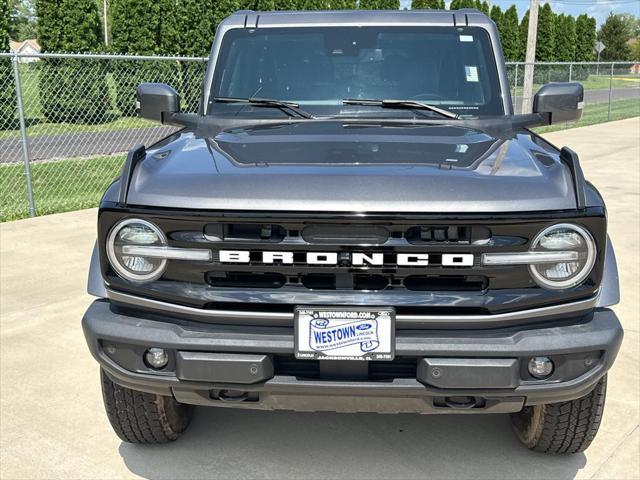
[
  {"x": 407, "y": 104},
  {"x": 286, "y": 107}
]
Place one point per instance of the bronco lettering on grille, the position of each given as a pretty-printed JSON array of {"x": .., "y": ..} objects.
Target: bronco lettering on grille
[{"x": 350, "y": 259}]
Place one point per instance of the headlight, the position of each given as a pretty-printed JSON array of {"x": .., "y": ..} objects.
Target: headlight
[
  {"x": 134, "y": 232},
  {"x": 569, "y": 239}
]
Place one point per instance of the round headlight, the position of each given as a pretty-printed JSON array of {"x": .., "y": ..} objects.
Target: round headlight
[
  {"x": 135, "y": 232},
  {"x": 564, "y": 237}
]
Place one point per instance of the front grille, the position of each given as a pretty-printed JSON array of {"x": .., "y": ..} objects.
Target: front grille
[
  {"x": 387, "y": 240},
  {"x": 436, "y": 287}
]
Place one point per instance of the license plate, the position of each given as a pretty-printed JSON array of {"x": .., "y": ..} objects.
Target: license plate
[{"x": 338, "y": 333}]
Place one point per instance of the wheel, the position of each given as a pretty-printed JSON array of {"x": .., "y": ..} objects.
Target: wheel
[
  {"x": 565, "y": 427},
  {"x": 139, "y": 417}
]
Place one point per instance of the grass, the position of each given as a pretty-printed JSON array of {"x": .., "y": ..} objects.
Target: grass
[
  {"x": 58, "y": 186},
  {"x": 119, "y": 123},
  {"x": 37, "y": 124},
  {"x": 595, "y": 82},
  {"x": 598, "y": 113}
]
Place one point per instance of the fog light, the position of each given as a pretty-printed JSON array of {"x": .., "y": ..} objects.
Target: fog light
[
  {"x": 156, "y": 358},
  {"x": 540, "y": 367}
]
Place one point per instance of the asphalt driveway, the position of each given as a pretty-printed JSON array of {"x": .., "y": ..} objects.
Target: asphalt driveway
[{"x": 52, "y": 423}]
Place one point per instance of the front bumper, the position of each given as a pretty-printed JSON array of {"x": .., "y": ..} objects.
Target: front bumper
[{"x": 476, "y": 371}]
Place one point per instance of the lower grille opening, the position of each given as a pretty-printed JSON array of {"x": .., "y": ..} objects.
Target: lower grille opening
[
  {"x": 369, "y": 282},
  {"x": 319, "y": 281},
  {"x": 423, "y": 283},
  {"x": 247, "y": 280},
  {"x": 400, "y": 367}
]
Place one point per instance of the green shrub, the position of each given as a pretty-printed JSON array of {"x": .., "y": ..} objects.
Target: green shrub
[
  {"x": 191, "y": 86},
  {"x": 74, "y": 91},
  {"x": 7, "y": 96},
  {"x": 128, "y": 74},
  {"x": 71, "y": 90}
]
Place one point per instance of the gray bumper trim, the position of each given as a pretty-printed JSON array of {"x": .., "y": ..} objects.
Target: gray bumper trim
[
  {"x": 601, "y": 331},
  {"x": 248, "y": 317}
]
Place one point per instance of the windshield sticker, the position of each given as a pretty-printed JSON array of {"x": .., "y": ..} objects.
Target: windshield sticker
[
  {"x": 466, "y": 38},
  {"x": 471, "y": 72}
]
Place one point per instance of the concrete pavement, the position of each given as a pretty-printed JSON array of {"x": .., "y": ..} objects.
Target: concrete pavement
[{"x": 52, "y": 423}]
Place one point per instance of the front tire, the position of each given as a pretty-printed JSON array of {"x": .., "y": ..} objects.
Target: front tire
[
  {"x": 144, "y": 418},
  {"x": 565, "y": 427}
]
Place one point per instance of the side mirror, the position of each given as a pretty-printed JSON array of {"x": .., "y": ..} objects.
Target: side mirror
[
  {"x": 561, "y": 102},
  {"x": 156, "y": 100}
]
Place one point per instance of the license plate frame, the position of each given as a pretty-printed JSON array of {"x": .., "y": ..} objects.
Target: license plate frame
[{"x": 349, "y": 333}]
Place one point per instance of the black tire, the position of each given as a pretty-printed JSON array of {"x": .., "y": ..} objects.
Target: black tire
[
  {"x": 565, "y": 427},
  {"x": 145, "y": 418}
]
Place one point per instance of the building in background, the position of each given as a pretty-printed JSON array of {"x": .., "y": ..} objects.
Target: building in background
[{"x": 29, "y": 46}]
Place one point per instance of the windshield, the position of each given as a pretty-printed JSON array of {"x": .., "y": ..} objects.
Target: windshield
[{"x": 318, "y": 67}]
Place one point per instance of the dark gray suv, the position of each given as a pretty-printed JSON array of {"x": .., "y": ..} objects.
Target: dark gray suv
[{"x": 355, "y": 221}]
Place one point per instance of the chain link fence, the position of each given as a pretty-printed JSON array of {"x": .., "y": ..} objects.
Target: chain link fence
[{"x": 67, "y": 120}]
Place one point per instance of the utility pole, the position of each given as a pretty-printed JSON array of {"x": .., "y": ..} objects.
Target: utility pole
[
  {"x": 530, "y": 58},
  {"x": 104, "y": 22}
]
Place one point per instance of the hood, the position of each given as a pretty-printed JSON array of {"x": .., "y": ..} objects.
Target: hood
[{"x": 342, "y": 167}]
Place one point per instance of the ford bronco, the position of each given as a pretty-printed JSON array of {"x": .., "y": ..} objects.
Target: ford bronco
[{"x": 355, "y": 221}]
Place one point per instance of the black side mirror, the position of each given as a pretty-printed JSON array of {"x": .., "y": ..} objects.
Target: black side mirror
[
  {"x": 561, "y": 102},
  {"x": 156, "y": 101}
]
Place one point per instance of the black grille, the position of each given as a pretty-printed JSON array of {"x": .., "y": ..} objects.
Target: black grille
[
  {"x": 388, "y": 239},
  {"x": 435, "y": 287},
  {"x": 400, "y": 367}
]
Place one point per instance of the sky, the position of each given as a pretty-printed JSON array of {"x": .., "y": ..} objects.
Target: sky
[{"x": 599, "y": 9}]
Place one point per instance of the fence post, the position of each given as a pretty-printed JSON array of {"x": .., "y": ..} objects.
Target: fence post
[
  {"x": 570, "y": 71},
  {"x": 25, "y": 139},
  {"x": 610, "y": 92},
  {"x": 515, "y": 91}
]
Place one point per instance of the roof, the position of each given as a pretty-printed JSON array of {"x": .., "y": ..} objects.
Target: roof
[
  {"x": 20, "y": 46},
  {"x": 254, "y": 19}
]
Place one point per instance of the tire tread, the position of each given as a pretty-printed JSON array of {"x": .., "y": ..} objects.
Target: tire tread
[{"x": 140, "y": 417}]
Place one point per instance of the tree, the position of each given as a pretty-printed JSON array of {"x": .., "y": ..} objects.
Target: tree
[
  {"x": 7, "y": 91},
  {"x": 82, "y": 30},
  {"x": 509, "y": 34},
  {"x": 585, "y": 38},
  {"x": 632, "y": 22},
  {"x": 368, "y": 4},
  {"x": 545, "y": 43},
  {"x": 71, "y": 90},
  {"x": 287, "y": 5},
  {"x": 343, "y": 5},
  {"x": 585, "y": 41},
  {"x": 389, "y": 4},
  {"x": 566, "y": 39},
  {"x": 22, "y": 19},
  {"x": 615, "y": 32},
  {"x": 197, "y": 18},
  {"x": 635, "y": 51},
  {"x": 427, "y": 4},
  {"x": 49, "y": 26},
  {"x": 483, "y": 6},
  {"x": 224, "y": 8},
  {"x": 458, "y": 4},
  {"x": 496, "y": 15},
  {"x": 157, "y": 34},
  {"x": 523, "y": 33},
  {"x": 4, "y": 25}
]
